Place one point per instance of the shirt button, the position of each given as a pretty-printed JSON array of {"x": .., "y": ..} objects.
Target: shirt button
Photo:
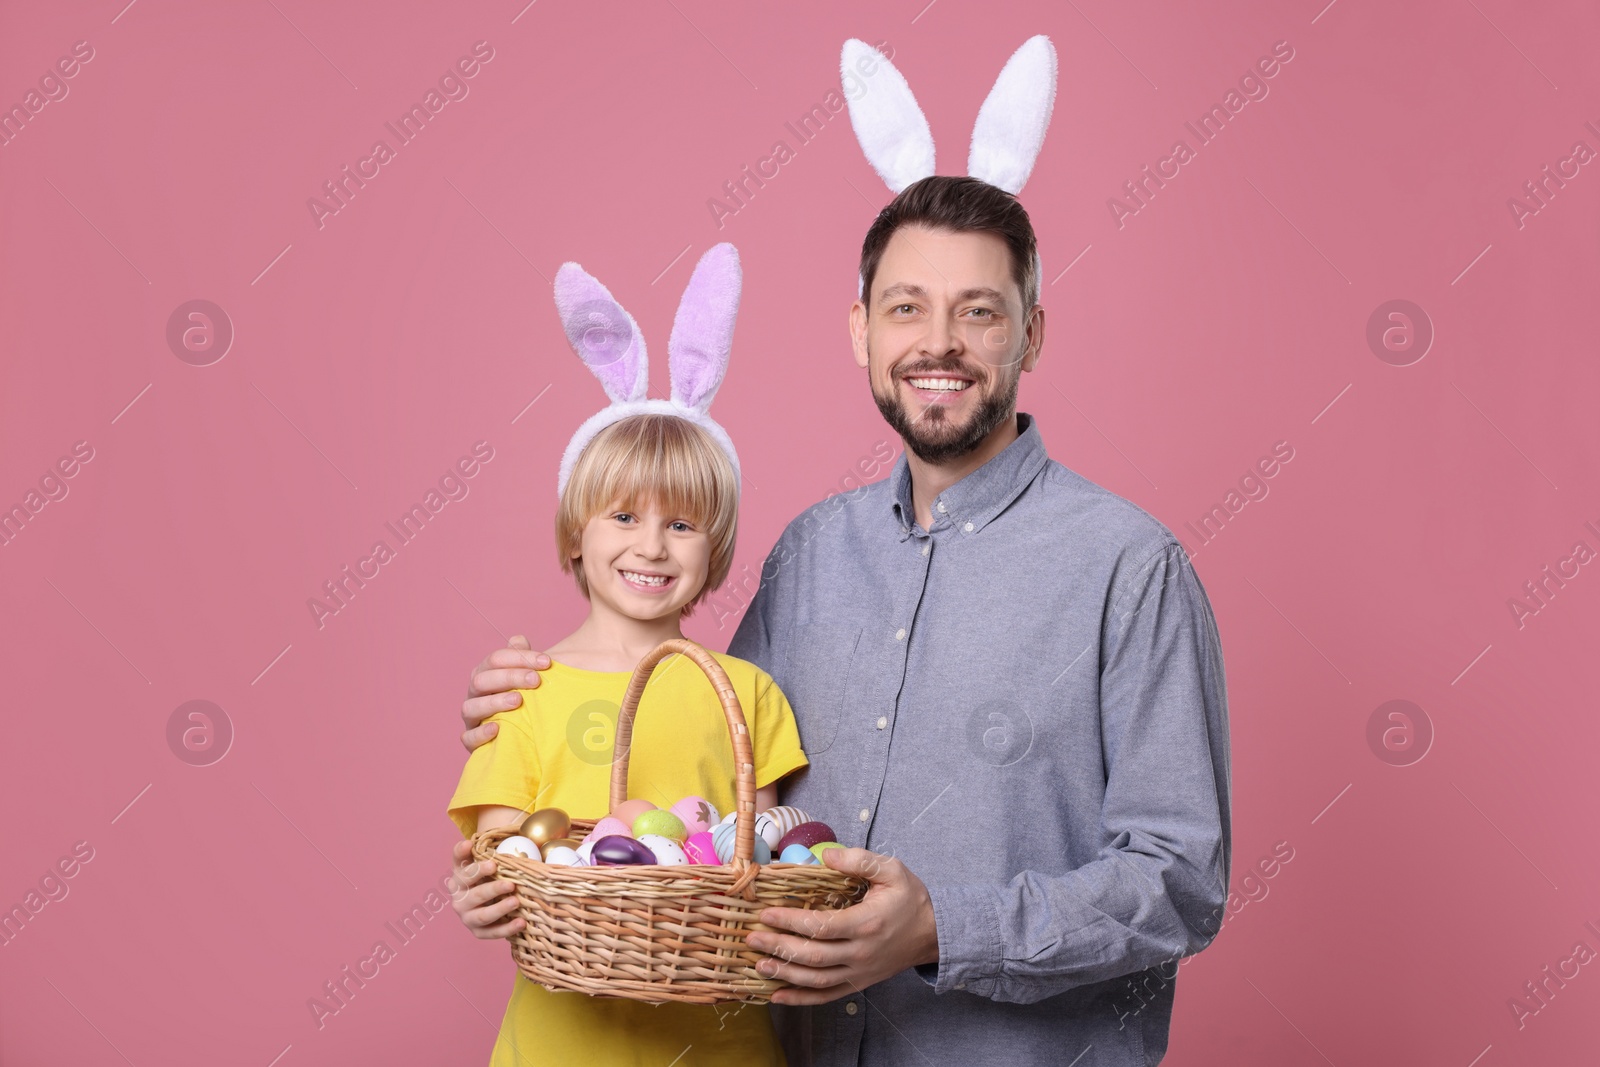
[
  {"x": 883, "y": 721},
  {"x": 941, "y": 507},
  {"x": 961, "y": 985},
  {"x": 850, "y": 1008},
  {"x": 967, "y": 527},
  {"x": 865, "y": 815},
  {"x": 926, "y": 549},
  {"x": 900, "y": 634}
]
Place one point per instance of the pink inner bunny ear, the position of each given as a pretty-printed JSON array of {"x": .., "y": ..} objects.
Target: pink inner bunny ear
[
  {"x": 602, "y": 333},
  {"x": 702, "y": 333}
]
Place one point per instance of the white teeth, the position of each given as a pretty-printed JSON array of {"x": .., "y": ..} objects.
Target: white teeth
[
  {"x": 645, "y": 579},
  {"x": 946, "y": 385}
]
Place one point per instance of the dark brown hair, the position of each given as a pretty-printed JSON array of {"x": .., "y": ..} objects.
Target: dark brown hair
[{"x": 962, "y": 205}]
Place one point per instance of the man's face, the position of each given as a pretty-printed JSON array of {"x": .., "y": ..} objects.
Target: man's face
[{"x": 945, "y": 337}]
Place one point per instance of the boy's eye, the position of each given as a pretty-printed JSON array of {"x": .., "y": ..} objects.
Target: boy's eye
[
  {"x": 682, "y": 527},
  {"x": 623, "y": 517}
]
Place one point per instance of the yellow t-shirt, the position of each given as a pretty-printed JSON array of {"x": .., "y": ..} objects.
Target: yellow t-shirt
[{"x": 554, "y": 751}]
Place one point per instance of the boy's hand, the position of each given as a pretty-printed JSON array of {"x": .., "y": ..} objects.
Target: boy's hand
[
  {"x": 481, "y": 902},
  {"x": 492, "y": 688}
]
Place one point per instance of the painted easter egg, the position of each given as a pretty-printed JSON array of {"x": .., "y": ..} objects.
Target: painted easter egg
[
  {"x": 668, "y": 853},
  {"x": 807, "y": 834},
  {"x": 519, "y": 846},
  {"x": 563, "y": 856},
  {"x": 608, "y": 826},
  {"x": 620, "y": 851},
  {"x": 546, "y": 825},
  {"x": 656, "y": 821},
  {"x": 701, "y": 848},
  {"x": 767, "y": 830},
  {"x": 818, "y": 849},
  {"x": 586, "y": 848},
  {"x": 560, "y": 842},
  {"x": 723, "y": 838},
  {"x": 630, "y": 810},
  {"x": 786, "y": 817},
  {"x": 798, "y": 853},
  {"x": 697, "y": 814},
  {"x": 727, "y": 820}
]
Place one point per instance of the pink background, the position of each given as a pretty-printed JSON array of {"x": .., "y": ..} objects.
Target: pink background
[{"x": 370, "y": 354}]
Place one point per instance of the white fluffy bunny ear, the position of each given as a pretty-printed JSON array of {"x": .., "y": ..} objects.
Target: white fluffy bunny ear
[
  {"x": 602, "y": 334},
  {"x": 892, "y": 129},
  {"x": 702, "y": 332},
  {"x": 1010, "y": 129}
]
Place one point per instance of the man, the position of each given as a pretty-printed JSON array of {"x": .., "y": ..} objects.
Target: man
[{"x": 1010, "y": 688}]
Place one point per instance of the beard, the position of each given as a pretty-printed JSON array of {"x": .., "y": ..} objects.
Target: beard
[{"x": 934, "y": 437}]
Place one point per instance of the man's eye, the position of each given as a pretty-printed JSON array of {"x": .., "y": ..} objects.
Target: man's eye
[
  {"x": 983, "y": 311},
  {"x": 900, "y": 307}
]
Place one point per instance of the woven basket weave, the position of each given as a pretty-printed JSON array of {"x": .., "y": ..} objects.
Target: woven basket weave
[{"x": 655, "y": 933}]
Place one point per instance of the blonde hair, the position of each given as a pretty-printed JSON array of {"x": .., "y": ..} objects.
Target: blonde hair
[{"x": 655, "y": 459}]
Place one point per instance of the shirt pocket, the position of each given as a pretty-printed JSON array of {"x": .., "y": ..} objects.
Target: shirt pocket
[{"x": 816, "y": 676}]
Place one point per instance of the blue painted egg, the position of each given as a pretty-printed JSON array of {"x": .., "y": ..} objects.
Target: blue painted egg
[{"x": 723, "y": 837}]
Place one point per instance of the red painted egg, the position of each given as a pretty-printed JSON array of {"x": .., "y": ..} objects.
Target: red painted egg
[{"x": 807, "y": 834}]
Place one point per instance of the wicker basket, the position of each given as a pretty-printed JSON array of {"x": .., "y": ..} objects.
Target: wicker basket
[{"x": 655, "y": 933}]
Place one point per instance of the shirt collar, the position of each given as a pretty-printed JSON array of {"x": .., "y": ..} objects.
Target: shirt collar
[{"x": 971, "y": 503}]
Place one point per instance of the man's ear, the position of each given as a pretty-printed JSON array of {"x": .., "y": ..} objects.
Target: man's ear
[
  {"x": 858, "y": 332},
  {"x": 1035, "y": 349}
]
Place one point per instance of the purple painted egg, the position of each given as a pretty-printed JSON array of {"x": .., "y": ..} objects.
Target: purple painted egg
[
  {"x": 619, "y": 851},
  {"x": 701, "y": 848},
  {"x": 807, "y": 834}
]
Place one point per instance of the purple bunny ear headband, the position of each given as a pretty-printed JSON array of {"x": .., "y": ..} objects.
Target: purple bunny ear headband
[
  {"x": 607, "y": 339},
  {"x": 1006, "y": 139}
]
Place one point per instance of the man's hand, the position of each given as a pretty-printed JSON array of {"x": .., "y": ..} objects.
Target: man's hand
[
  {"x": 842, "y": 952},
  {"x": 492, "y": 688},
  {"x": 483, "y": 904}
]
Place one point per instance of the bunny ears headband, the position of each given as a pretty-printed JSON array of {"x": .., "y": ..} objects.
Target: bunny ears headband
[
  {"x": 607, "y": 339},
  {"x": 1006, "y": 139}
]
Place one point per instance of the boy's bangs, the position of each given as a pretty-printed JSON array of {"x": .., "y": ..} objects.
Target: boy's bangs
[{"x": 662, "y": 461}]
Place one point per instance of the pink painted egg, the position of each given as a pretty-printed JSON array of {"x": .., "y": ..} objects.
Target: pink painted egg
[
  {"x": 697, "y": 814},
  {"x": 701, "y": 848}
]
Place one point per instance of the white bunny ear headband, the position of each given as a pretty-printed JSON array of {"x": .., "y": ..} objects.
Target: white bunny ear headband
[
  {"x": 1006, "y": 139},
  {"x": 607, "y": 339}
]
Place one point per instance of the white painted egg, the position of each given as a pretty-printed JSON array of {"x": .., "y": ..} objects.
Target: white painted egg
[
  {"x": 586, "y": 848},
  {"x": 668, "y": 853},
  {"x": 786, "y": 817},
  {"x": 517, "y": 845},
  {"x": 767, "y": 829},
  {"x": 562, "y": 856}
]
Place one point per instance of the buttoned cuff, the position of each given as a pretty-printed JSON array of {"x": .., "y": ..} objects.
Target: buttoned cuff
[{"x": 967, "y": 920}]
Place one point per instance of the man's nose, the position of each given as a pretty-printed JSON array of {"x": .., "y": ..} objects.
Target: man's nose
[{"x": 942, "y": 339}]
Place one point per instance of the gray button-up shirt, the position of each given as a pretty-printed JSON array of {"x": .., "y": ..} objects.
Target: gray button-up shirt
[{"x": 1026, "y": 704}]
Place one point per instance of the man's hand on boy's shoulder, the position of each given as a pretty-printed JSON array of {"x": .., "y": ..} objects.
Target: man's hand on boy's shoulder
[{"x": 493, "y": 688}]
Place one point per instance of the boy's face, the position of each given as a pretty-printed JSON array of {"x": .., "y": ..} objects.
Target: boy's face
[{"x": 643, "y": 562}]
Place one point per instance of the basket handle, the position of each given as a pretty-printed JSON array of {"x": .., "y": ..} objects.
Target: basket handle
[{"x": 744, "y": 769}]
